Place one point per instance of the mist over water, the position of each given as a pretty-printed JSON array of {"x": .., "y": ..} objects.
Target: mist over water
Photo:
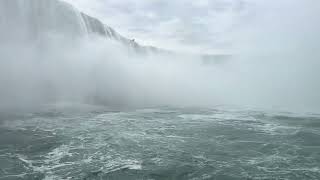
[
  {"x": 274, "y": 64},
  {"x": 99, "y": 72},
  {"x": 279, "y": 55}
]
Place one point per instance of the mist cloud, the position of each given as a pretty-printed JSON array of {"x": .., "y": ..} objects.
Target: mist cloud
[{"x": 275, "y": 64}]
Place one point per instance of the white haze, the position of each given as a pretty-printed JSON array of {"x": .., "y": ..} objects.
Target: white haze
[
  {"x": 98, "y": 71},
  {"x": 279, "y": 55},
  {"x": 275, "y": 65}
]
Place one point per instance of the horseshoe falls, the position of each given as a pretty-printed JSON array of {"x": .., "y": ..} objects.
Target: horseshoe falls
[
  {"x": 36, "y": 19},
  {"x": 78, "y": 100}
]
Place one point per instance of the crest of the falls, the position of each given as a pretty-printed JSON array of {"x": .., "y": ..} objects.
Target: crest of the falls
[{"x": 36, "y": 19}]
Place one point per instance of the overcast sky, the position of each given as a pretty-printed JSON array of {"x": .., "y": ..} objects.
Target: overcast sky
[{"x": 185, "y": 25}]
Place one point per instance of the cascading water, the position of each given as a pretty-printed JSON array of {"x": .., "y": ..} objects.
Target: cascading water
[
  {"x": 38, "y": 19},
  {"x": 29, "y": 19}
]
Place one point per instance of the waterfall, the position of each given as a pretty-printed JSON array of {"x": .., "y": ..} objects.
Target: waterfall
[
  {"x": 29, "y": 19},
  {"x": 22, "y": 20}
]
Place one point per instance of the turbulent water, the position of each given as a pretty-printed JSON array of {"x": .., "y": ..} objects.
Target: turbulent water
[{"x": 86, "y": 142}]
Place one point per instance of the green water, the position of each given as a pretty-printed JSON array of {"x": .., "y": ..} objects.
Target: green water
[{"x": 160, "y": 143}]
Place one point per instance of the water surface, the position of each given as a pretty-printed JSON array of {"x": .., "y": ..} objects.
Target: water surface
[{"x": 159, "y": 143}]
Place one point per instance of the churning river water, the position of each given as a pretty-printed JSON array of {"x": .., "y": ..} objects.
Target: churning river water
[{"x": 159, "y": 144}]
